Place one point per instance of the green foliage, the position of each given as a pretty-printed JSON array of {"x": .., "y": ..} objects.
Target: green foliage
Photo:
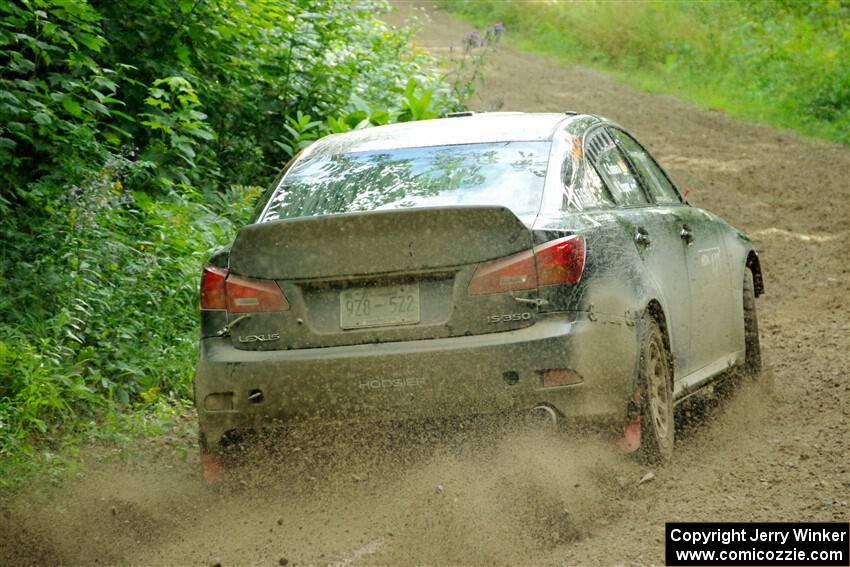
[
  {"x": 134, "y": 137},
  {"x": 53, "y": 93},
  {"x": 178, "y": 131},
  {"x": 416, "y": 107},
  {"x": 785, "y": 62},
  {"x": 300, "y": 131},
  {"x": 116, "y": 303},
  {"x": 256, "y": 65}
]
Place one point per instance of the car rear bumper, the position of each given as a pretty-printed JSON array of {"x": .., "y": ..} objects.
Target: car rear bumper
[{"x": 238, "y": 389}]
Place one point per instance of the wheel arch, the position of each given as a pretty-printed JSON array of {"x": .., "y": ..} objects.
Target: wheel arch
[{"x": 654, "y": 310}]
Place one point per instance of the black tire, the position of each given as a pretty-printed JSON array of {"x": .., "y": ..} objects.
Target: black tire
[
  {"x": 726, "y": 386},
  {"x": 655, "y": 380},
  {"x": 752, "y": 356}
]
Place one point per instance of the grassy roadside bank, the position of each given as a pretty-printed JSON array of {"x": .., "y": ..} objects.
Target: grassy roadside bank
[{"x": 782, "y": 63}]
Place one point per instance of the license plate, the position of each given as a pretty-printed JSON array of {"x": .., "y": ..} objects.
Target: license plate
[{"x": 379, "y": 306}]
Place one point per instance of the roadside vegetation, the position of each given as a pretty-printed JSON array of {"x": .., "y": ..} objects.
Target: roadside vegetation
[
  {"x": 780, "y": 62},
  {"x": 135, "y": 135}
]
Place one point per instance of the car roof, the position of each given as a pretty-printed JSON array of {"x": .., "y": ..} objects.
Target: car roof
[{"x": 466, "y": 129}]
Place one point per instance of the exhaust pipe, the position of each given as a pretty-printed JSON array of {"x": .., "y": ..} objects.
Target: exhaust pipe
[{"x": 543, "y": 415}]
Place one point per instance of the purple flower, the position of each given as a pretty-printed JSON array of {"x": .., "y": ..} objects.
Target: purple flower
[
  {"x": 499, "y": 27},
  {"x": 470, "y": 40}
]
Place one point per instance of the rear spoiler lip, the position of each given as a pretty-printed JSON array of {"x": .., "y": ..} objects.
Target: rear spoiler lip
[
  {"x": 524, "y": 217},
  {"x": 528, "y": 219}
]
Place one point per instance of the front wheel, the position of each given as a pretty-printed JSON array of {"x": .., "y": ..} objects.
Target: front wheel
[
  {"x": 752, "y": 354},
  {"x": 752, "y": 364},
  {"x": 655, "y": 382}
]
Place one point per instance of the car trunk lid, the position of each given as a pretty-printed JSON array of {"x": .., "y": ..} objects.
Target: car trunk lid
[
  {"x": 355, "y": 244},
  {"x": 379, "y": 276}
]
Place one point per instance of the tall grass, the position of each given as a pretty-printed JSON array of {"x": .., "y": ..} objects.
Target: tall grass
[{"x": 782, "y": 62}]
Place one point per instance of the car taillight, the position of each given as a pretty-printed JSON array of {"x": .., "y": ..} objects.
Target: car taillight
[
  {"x": 212, "y": 288},
  {"x": 555, "y": 262},
  {"x": 560, "y": 261},
  {"x": 246, "y": 295},
  {"x": 506, "y": 274},
  {"x": 238, "y": 294}
]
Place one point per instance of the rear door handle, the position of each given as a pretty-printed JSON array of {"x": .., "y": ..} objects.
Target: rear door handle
[
  {"x": 642, "y": 237},
  {"x": 687, "y": 234}
]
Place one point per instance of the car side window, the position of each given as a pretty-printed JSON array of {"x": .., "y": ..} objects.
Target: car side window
[
  {"x": 583, "y": 188},
  {"x": 614, "y": 170},
  {"x": 659, "y": 186}
]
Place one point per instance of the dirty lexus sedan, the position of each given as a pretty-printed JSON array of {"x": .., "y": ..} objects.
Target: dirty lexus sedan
[{"x": 474, "y": 264}]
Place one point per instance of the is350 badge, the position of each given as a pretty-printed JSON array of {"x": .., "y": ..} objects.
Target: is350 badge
[{"x": 508, "y": 317}]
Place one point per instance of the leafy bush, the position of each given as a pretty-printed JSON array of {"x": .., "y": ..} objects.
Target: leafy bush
[{"x": 135, "y": 135}]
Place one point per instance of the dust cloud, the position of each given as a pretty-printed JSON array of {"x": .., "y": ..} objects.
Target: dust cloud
[{"x": 494, "y": 489}]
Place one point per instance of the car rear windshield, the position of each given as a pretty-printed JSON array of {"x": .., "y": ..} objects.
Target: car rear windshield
[{"x": 509, "y": 174}]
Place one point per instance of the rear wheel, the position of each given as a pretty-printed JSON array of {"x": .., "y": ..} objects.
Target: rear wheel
[{"x": 655, "y": 381}]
